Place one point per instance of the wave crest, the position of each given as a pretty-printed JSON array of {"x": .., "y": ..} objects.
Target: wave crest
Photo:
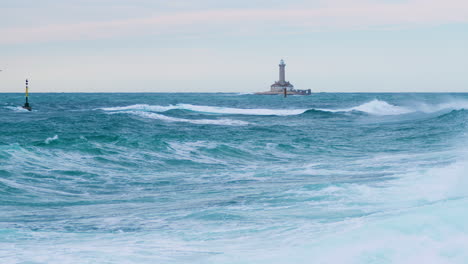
[
  {"x": 375, "y": 107},
  {"x": 50, "y": 139},
  {"x": 225, "y": 122},
  {"x": 209, "y": 109}
]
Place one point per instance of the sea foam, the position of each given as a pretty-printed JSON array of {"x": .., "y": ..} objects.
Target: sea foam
[
  {"x": 16, "y": 108},
  {"x": 225, "y": 122},
  {"x": 382, "y": 108},
  {"x": 50, "y": 139},
  {"x": 209, "y": 109},
  {"x": 375, "y": 107}
]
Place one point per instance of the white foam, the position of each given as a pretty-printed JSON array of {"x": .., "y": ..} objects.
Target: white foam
[
  {"x": 208, "y": 109},
  {"x": 143, "y": 107},
  {"x": 225, "y": 122},
  {"x": 17, "y": 108},
  {"x": 50, "y": 139},
  {"x": 378, "y": 107},
  {"x": 241, "y": 111},
  {"x": 375, "y": 107}
]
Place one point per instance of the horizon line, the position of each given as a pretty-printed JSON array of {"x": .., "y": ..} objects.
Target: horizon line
[{"x": 245, "y": 93}]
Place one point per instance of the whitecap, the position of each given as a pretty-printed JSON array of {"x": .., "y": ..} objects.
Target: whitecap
[
  {"x": 142, "y": 107},
  {"x": 225, "y": 122},
  {"x": 17, "y": 108},
  {"x": 208, "y": 109},
  {"x": 375, "y": 107},
  {"x": 241, "y": 111},
  {"x": 50, "y": 139}
]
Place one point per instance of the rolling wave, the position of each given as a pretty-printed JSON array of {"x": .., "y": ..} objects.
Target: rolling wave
[
  {"x": 50, "y": 139},
  {"x": 209, "y": 109},
  {"x": 142, "y": 107},
  {"x": 378, "y": 107},
  {"x": 224, "y": 122},
  {"x": 374, "y": 107}
]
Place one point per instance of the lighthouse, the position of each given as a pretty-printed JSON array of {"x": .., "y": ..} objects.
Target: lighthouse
[{"x": 282, "y": 84}]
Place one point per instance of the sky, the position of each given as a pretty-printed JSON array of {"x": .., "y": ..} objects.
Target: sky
[{"x": 233, "y": 46}]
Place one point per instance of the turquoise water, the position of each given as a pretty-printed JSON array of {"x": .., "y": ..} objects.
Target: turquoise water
[{"x": 234, "y": 178}]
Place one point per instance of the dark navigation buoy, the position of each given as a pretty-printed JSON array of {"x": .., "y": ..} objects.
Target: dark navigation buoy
[{"x": 26, "y": 104}]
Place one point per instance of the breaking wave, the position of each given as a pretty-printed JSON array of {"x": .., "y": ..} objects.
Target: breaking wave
[
  {"x": 374, "y": 107},
  {"x": 381, "y": 108},
  {"x": 142, "y": 107},
  {"x": 225, "y": 122},
  {"x": 209, "y": 109},
  {"x": 50, "y": 139}
]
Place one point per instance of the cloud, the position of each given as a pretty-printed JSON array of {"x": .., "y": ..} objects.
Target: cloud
[{"x": 331, "y": 16}]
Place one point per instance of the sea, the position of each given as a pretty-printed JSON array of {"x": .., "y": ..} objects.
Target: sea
[{"x": 234, "y": 178}]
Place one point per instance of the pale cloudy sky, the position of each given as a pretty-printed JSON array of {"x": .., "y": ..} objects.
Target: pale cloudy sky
[{"x": 233, "y": 46}]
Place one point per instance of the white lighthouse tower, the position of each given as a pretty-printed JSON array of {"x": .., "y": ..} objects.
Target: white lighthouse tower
[
  {"x": 282, "y": 73},
  {"x": 282, "y": 84}
]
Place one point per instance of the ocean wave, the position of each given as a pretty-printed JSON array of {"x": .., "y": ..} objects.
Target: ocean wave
[
  {"x": 434, "y": 197},
  {"x": 453, "y": 114},
  {"x": 374, "y": 107},
  {"x": 143, "y": 107},
  {"x": 208, "y": 109},
  {"x": 50, "y": 139},
  {"x": 381, "y": 108},
  {"x": 224, "y": 122},
  {"x": 241, "y": 111}
]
